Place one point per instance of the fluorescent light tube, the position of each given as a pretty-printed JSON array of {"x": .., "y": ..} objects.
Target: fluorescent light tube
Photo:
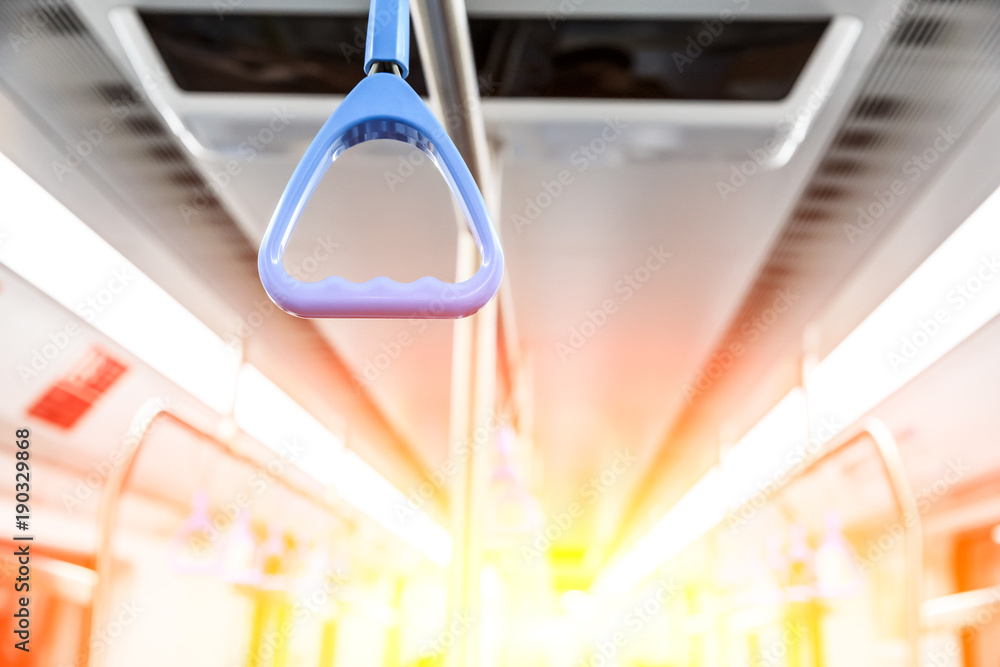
[
  {"x": 948, "y": 298},
  {"x": 43, "y": 242},
  {"x": 363, "y": 487},
  {"x": 275, "y": 419},
  {"x": 47, "y": 245}
]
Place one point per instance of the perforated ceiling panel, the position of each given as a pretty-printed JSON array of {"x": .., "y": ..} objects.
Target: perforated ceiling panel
[{"x": 936, "y": 77}]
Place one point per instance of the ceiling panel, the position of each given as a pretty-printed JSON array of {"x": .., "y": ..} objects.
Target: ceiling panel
[{"x": 608, "y": 222}]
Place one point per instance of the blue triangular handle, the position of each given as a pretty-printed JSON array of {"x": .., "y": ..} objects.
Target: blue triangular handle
[{"x": 382, "y": 106}]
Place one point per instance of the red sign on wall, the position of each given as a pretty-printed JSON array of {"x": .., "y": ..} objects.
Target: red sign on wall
[{"x": 73, "y": 395}]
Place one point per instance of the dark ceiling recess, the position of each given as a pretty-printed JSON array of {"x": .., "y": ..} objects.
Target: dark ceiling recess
[
  {"x": 656, "y": 59},
  {"x": 266, "y": 53}
]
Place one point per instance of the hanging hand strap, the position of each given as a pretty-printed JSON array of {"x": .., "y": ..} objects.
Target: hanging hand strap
[
  {"x": 382, "y": 106},
  {"x": 388, "y": 35}
]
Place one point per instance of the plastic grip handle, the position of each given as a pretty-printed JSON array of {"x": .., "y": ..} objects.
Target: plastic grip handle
[
  {"x": 388, "y": 38},
  {"x": 382, "y": 106}
]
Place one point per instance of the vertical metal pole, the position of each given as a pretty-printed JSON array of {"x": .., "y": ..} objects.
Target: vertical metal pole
[
  {"x": 909, "y": 513},
  {"x": 906, "y": 500},
  {"x": 473, "y": 412},
  {"x": 442, "y": 30}
]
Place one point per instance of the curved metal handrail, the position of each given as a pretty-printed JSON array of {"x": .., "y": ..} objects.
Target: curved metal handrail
[
  {"x": 141, "y": 426},
  {"x": 906, "y": 502}
]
